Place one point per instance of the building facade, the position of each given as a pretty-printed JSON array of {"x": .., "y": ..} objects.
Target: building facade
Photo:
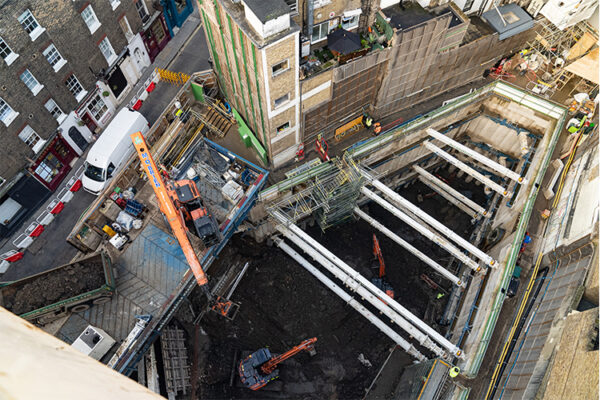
[{"x": 65, "y": 68}]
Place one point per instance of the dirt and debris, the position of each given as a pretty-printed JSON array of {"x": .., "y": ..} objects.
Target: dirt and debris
[
  {"x": 54, "y": 286},
  {"x": 282, "y": 304}
]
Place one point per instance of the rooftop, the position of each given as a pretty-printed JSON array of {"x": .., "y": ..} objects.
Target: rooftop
[
  {"x": 404, "y": 16},
  {"x": 268, "y": 10},
  {"x": 508, "y": 20}
]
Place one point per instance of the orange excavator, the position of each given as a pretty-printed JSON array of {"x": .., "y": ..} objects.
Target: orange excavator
[
  {"x": 381, "y": 282},
  {"x": 260, "y": 367},
  {"x": 179, "y": 202}
]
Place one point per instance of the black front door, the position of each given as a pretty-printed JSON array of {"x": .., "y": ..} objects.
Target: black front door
[
  {"x": 117, "y": 82},
  {"x": 78, "y": 138}
]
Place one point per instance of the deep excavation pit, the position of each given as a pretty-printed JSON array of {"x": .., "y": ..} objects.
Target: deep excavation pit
[{"x": 283, "y": 304}]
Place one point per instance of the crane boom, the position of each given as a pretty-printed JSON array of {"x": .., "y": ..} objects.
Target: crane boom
[
  {"x": 168, "y": 208},
  {"x": 270, "y": 365},
  {"x": 377, "y": 253}
]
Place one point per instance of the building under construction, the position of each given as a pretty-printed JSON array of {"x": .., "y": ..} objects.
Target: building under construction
[{"x": 449, "y": 256}]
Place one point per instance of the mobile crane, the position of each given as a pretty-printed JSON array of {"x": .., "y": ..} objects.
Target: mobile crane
[
  {"x": 381, "y": 282},
  {"x": 260, "y": 367},
  {"x": 178, "y": 202}
]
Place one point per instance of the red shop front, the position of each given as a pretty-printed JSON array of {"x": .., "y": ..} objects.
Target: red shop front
[{"x": 53, "y": 163}]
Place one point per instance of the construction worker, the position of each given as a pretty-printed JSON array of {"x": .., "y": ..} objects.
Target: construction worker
[
  {"x": 526, "y": 240},
  {"x": 454, "y": 372},
  {"x": 377, "y": 128},
  {"x": 368, "y": 121},
  {"x": 440, "y": 295}
]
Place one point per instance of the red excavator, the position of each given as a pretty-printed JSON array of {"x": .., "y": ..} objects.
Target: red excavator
[
  {"x": 260, "y": 367},
  {"x": 381, "y": 282},
  {"x": 181, "y": 204}
]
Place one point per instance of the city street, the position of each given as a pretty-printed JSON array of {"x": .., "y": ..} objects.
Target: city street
[{"x": 187, "y": 52}]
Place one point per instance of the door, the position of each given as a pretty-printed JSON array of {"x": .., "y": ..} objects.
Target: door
[
  {"x": 89, "y": 122},
  {"x": 117, "y": 82},
  {"x": 78, "y": 138}
]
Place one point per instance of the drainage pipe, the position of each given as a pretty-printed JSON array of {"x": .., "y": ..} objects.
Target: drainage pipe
[
  {"x": 378, "y": 301},
  {"x": 399, "y": 340},
  {"x": 402, "y": 202},
  {"x": 423, "y": 230},
  {"x": 430, "y": 180},
  {"x": 440, "y": 270},
  {"x": 464, "y": 167},
  {"x": 501, "y": 169},
  {"x": 311, "y": 244}
]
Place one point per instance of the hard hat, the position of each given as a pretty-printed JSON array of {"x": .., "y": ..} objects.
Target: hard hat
[{"x": 454, "y": 372}]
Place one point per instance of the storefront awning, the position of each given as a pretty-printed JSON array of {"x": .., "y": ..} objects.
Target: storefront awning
[{"x": 353, "y": 13}]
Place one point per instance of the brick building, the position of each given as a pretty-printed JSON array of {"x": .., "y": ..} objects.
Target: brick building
[{"x": 65, "y": 68}]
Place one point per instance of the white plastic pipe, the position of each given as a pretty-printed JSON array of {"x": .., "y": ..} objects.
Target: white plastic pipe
[
  {"x": 449, "y": 233},
  {"x": 441, "y": 270},
  {"x": 312, "y": 244},
  {"x": 423, "y": 230},
  {"x": 399, "y": 340},
  {"x": 379, "y": 303},
  {"x": 451, "y": 199},
  {"x": 436, "y": 183},
  {"x": 464, "y": 167},
  {"x": 476, "y": 156}
]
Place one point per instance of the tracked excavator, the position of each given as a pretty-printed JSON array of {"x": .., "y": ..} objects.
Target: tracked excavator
[{"x": 181, "y": 204}]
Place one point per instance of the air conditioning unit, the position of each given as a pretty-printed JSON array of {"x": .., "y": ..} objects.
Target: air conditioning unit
[{"x": 93, "y": 342}]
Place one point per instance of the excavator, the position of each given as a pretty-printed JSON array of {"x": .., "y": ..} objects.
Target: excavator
[
  {"x": 260, "y": 367},
  {"x": 181, "y": 204},
  {"x": 381, "y": 282}
]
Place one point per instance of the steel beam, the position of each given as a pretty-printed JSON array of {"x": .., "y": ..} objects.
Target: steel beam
[
  {"x": 501, "y": 169},
  {"x": 438, "y": 185},
  {"x": 399, "y": 340},
  {"x": 437, "y": 267},
  {"x": 467, "y": 169}
]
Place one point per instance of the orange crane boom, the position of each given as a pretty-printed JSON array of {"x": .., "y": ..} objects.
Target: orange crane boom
[
  {"x": 270, "y": 365},
  {"x": 377, "y": 253},
  {"x": 168, "y": 209}
]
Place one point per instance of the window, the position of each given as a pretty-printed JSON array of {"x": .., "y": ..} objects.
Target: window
[
  {"x": 140, "y": 6},
  {"x": 75, "y": 87},
  {"x": 124, "y": 23},
  {"x": 293, "y": 5},
  {"x": 90, "y": 19},
  {"x": 97, "y": 107},
  {"x": 7, "y": 114},
  {"x": 30, "y": 137},
  {"x": 30, "y": 24},
  {"x": 320, "y": 3},
  {"x": 283, "y": 99},
  {"x": 107, "y": 51},
  {"x": 54, "y": 58},
  {"x": 30, "y": 81},
  {"x": 114, "y": 3},
  {"x": 283, "y": 127},
  {"x": 280, "y": 67},
  {"x": 320, "y": 32},
  {"x": 55, "y": 110},
  {"x": 350, "y": 22},
  {"x": 6, "y": 53},
  {"x": 468, "y": 5}
]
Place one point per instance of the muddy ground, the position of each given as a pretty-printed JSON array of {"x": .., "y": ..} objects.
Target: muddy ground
[
  {"x": 53, "y": 287},
  {"x": 283, "y": 304}
]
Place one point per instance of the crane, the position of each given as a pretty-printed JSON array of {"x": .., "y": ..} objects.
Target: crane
[
  {"x": 174, "y": 215},
  {"x": 260, "y": 367},
  {"x": 381, "y": 282}
]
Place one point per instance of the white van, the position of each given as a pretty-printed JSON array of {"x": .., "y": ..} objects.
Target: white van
[{"x": 110, "y": 152}]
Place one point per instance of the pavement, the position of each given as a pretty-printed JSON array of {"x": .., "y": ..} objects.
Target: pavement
[{"x": 186, "y": 52}]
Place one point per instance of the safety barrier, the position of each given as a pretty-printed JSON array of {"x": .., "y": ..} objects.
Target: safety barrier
[
  {"x": 46, "y": 216},
  {"x": 176, "y": 78},
  {"x": 144, "y": 90}
]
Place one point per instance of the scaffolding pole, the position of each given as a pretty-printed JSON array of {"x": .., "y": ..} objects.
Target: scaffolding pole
[
  {"x": 467, "y": 169},
  {"x": 446, "y": 190},
  {"x": 308, "y": 244},
  {"x": 501, "y": 169},
  {"x": 449, "y": 233},
  {"x": 423, "y": 230},
  {"x": 399, "y": 340},
  {"x": 437, "y": 267}
]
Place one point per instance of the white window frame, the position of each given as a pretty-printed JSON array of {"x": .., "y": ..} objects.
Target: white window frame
[
  {"x": 281, "y": 71},
  {"x": 114, "y": 4},
  {"x": 55, "y": 110},
  {"x": 128, "y": 33},
  {"x": 93, "y": 23},
  {"x": 326, "y": 23},
  {"x": 7, "y": 113},
  {"x": 31, "y": 82},
  {"x": 31, "y": 138},
  {"x": 51, "y": 53},
  {"x": 144, "y": 8},
  {"x": 105, "y": 46},
  {"x": 10, "y": 56},
  {"x": 81, "y": 94},
  {"x": 281, "y": 101},
  {"x": 35, "y": 32},
  {"x": 347, "y": 26},
  {"x": 95, "y": 105},
  {"x": 293, "y": 4}
]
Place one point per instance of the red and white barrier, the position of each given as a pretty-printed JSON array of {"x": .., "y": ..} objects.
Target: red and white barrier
[
  {"x": 143, "y": 92},
  {"x": 9, "y": 257}
]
